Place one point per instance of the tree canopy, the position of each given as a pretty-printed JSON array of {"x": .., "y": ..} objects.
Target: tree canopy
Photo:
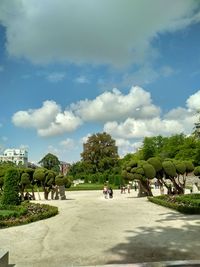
[
  {"x": 100, "y": 152},
  {"x": 50, "y": 162}
]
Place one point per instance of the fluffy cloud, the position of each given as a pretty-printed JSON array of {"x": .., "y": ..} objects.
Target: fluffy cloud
[
  {"x": 99, "y": 32},
  {"x": 193, "y": 101},
  {"x": 125, "y": 116},
  {"x": 125, "y": 146},
  {"x": 37, "y": 118},
  {"x": 64, "y": 122},
  {"x": 48, "y": 120},
  {"x": 116, "y": 106},
  {"x": 132, "y": 128}
]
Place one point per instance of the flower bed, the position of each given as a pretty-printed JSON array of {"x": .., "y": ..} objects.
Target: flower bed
[{"x": 25, "y": 213}]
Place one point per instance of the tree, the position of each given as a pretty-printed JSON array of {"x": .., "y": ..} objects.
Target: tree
[
  {"x": 11, "y": 189},
  {"x": 142, "y": 172},
  {"x": 46, "y": 179},
  {"x": 50, "y": 162},
  {"x": 100, "y": 152}
]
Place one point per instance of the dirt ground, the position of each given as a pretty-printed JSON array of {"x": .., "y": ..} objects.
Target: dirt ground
[{"x": 91, "y": 230}]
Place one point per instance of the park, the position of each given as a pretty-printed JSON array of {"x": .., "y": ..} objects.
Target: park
[
  {"x": 152, "y": 216},
  {"x": 91, "y": 230}
]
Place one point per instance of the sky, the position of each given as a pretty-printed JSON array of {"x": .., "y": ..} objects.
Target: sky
[{"x": 71, "y": 68}]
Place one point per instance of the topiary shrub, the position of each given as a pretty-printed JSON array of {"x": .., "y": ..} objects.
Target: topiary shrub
[
  {"x": 169, "y": 168},
  {"x": 11, "y": 189}
]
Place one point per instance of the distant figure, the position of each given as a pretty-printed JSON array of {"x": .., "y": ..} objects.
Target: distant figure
[
  {"x": 135, "y": 186},
  {"x": 129, "y": 188},
  {"x": 110, "y": 192},
  {"x": 105, "y": 191}
]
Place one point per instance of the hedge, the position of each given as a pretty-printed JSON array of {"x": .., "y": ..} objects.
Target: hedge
[{"x": 188, "y": 204}]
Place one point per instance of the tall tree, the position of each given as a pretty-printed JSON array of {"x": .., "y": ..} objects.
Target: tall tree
[
  {"x": 50, "y": 162},
  {"x": 100, "y": 152}
]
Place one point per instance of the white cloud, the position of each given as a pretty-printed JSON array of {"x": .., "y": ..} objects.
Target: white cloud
[
  {"x": 64, "y": 122},
  {"x": 48, "y": 120},
  {"x": 116, "y": 106},
  {"x": 82, "y": 79},
  {"x": 132, "y": 128},
  {"x": 125, "y": 146},
  {"x": 99, "y": 32},
  {"x": 37, "y": 118},
  {"x": 55, "y": 77},
  {"x": 193, "y": 102}
]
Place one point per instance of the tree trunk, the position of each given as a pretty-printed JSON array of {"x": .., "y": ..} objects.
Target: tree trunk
[{"x": 144, "y": 189}]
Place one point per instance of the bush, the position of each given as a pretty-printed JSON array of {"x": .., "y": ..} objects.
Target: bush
[
  {"x": 11, "y": 189},
  {"x": 189, "y": 204}
]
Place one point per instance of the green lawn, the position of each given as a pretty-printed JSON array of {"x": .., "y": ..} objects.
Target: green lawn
[
  {"x": 7, "y": 212},
  {"x": 89, "y": 187}
]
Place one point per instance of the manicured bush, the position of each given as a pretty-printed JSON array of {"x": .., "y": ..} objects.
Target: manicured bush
[
  {"x": 189, "y": 204},
  {"x": 11, "y": 189},
  {"x": 169, "y": 168}
]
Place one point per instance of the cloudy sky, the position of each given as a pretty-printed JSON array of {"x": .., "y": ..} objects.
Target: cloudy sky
[{"x": 71, "y": 68}]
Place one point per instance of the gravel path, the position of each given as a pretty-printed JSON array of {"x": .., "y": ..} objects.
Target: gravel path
[{"x": 91, "y": 230}]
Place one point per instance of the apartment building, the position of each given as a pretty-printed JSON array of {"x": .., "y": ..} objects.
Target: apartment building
[{"x": 15, "y": 155}]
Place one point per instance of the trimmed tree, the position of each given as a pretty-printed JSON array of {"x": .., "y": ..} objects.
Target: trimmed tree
[{"x": 11, "y": 189}]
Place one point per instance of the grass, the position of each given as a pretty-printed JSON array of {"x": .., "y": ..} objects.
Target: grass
[
  {"x": 88, "y": 186},
  {"x": 25, "y": 213},
  {"x": 6, "y": 213}
]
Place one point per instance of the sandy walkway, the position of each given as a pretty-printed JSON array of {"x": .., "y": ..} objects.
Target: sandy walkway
[{"x": 92, "y": 230}]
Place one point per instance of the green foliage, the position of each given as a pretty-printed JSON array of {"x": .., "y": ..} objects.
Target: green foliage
[
  {"x": 100, "y": 152},
  {"x": 180, "y": 167},
  {"x": 25, "y": 179},
  {"x": 197, "y": 171},
  {"x": 189, "y": 166},
  {"x": 156, "y": 163},
  {"x": 189, "y": 204},
  {"x": 39, "y": 175},
  {"x": 62, "y": 180},
  {"x": 149, "y": 171},
  {"x": 11, "y": 189},
  {"x": 50, "y": 162},
  {"x": 169, "y": 168}
]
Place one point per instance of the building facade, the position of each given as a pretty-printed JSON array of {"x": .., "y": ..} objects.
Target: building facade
[{"x": 17, "y": 156}]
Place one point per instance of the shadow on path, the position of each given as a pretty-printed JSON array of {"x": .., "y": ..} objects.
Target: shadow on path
[{"x": 150, "y": 244}]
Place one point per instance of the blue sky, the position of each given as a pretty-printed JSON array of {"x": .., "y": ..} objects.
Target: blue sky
[{"x": 71, "y": 68}]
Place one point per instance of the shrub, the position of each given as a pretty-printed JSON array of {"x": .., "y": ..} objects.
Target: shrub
[
  {"x": 11, "y": 189},
  {"x": 169, "y": 168},
  {"x": 189, "y": 204}
]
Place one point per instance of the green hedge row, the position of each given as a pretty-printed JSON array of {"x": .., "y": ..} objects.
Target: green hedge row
[
  {"x": 188, "y": 204},
  {"x": 34, "y": 212}
]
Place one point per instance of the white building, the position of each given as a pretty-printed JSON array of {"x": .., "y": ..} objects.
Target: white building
[{"x": 17, "y": 156}]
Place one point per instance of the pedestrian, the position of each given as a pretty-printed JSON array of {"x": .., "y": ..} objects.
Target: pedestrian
[
  {"x": 110, "y": 192},
  {"x": 105, "y": 191},
  {"x": 129, "y": 188}
]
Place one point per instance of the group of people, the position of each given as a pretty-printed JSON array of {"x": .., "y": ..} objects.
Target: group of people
[{"x": 107, "y": 192}]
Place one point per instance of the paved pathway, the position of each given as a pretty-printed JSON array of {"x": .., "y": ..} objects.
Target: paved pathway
[{"x": 91, "y": 230}]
